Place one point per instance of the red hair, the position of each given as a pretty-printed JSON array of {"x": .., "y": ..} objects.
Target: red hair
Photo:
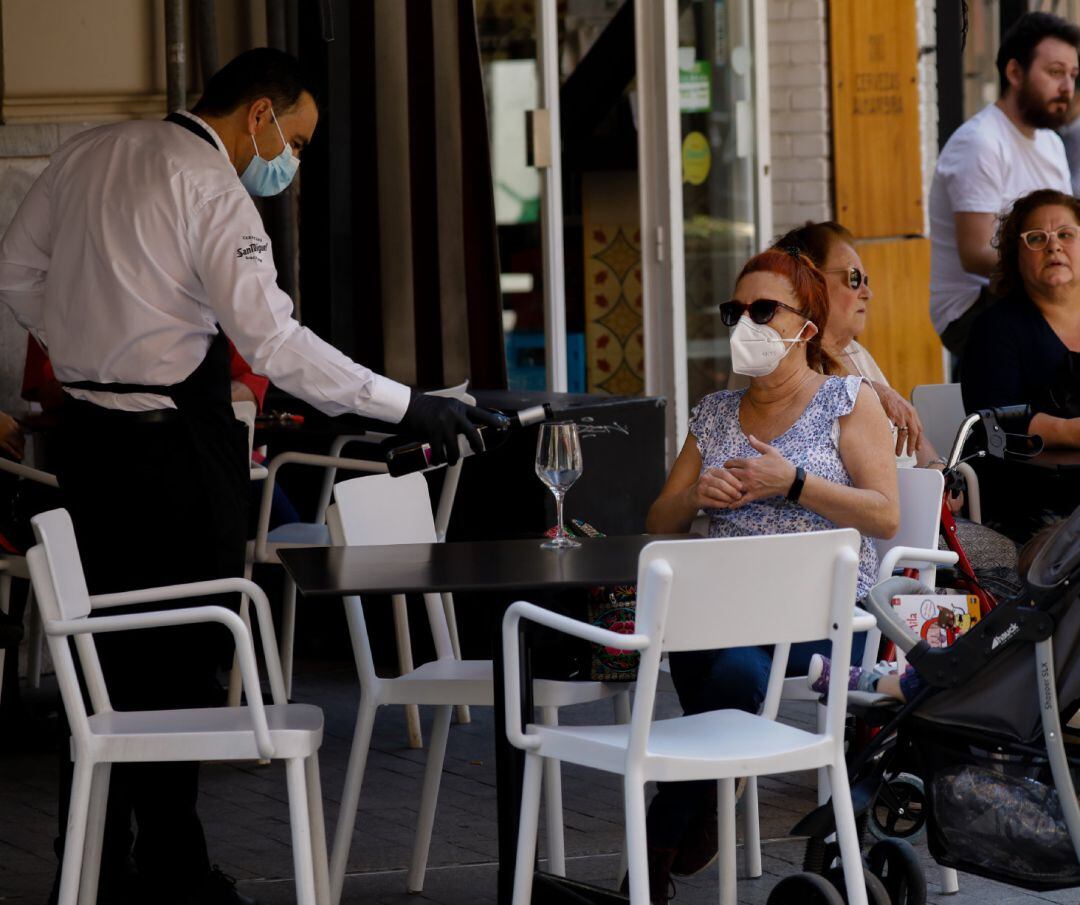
[{"x": 810, "y": 290}]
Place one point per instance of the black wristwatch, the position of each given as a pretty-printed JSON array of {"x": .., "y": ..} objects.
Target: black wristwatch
[{"x": 797, "y": 485}]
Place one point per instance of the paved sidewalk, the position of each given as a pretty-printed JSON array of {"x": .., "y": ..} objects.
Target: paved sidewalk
[{"x": 245, "y": 813}]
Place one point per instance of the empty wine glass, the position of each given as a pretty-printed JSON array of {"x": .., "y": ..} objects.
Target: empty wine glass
[{"x": 558, "y": 464}]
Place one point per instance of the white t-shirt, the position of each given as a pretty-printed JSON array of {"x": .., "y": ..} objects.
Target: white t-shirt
[
  {"x": 1070, "y": 135},
  {"x": 984, "y": 167}
]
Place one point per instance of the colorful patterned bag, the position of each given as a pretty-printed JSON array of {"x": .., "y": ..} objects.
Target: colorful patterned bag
[{"x": 611, "y": 608}]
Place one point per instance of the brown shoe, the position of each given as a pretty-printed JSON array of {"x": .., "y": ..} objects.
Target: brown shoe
[
  {"x": 699, "y": 844},
  {"x": 661, "y": 887}
]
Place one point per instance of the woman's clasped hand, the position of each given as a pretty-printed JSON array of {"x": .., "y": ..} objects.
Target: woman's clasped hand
[{"x": 743, "y": 480}]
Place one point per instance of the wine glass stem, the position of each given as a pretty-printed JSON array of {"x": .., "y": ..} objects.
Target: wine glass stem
[{"x": 560, "y": 531}]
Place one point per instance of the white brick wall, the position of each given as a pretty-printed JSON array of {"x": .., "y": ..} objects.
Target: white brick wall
[
  {"x": 800, "y": 107},
  {"x": 799, "y": 87}
]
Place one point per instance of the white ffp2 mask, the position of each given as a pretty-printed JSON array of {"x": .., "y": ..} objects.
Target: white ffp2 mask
[{"x": 758, "y": 349}]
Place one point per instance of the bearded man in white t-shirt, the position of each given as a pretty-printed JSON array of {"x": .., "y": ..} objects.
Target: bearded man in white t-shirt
[{"x": 1006, "y": 150}]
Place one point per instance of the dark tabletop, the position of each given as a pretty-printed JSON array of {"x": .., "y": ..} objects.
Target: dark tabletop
[{"x": 499, "y": 565}]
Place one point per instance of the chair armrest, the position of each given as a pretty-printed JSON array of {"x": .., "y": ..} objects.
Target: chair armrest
[
  {"x": 512, "y": 656},
  {"x": 205, "y": 589},
  {"x": 862, "y": 621},
  {"x": 30, "y": 474},
  {"x": 188, "y": 616},
  {"x": 914, "y": 555},
  {"x": 300, "y": 458}
]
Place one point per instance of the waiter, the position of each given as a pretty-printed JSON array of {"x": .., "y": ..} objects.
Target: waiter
[{"x": 132, "y": 256}]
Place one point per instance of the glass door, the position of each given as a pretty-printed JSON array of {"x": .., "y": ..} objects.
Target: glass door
[
  {"x": 721, "y": 215},
  {"x": 538, "y": 54},
  {"x": 705, "y": 195}
]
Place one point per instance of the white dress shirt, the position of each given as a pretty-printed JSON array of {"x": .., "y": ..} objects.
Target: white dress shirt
[{"x": 133, "y": 245}]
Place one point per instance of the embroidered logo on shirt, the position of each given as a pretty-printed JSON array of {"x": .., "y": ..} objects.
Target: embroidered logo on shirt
[{"x": 253, "y": 249}]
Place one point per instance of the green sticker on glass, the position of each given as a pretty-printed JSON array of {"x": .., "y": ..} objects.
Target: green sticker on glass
[{"x": 695, "y": 87}]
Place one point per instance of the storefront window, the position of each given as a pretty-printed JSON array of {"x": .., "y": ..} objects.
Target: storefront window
[
  {"x": 601, "y": 247},
  {"x": 716, "y": 71}
]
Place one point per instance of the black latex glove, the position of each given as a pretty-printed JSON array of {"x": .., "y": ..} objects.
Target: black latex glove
[{"x": 438, "y": 420}]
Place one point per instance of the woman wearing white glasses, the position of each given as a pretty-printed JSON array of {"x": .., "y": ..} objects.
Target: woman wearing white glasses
[{"x": 1026, "y": 350}]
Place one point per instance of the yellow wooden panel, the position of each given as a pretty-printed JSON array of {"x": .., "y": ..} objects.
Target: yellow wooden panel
[
  {"x": 875, "y": 117},
  {"x": 899, "y": 334}
]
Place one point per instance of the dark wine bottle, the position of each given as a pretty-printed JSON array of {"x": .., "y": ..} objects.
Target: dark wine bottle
[{"x": 405, "y": 458}]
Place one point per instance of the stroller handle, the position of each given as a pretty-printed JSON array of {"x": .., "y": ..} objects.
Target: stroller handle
[{"x": 879, "y": 604}]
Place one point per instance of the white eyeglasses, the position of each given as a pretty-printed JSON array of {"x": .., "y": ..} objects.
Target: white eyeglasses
[{"x": 1036, "y": 239}]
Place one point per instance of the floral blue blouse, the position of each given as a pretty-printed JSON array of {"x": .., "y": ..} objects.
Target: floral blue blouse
[{"x": 812, "y": 441}]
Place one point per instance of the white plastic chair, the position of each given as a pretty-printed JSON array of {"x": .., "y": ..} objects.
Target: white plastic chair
[
  {"x": 913, "y": 546},
  {"x": 264, "y": 547},
  {"x": 941, "y": 409},
  {"x": 444, "y": 509},
  {"x": 381, "y": 510},
  {"x": 16, "y": 568},
  {"x": 772, "y": 590},
  {"x": 282, "y": 731},
  {"x": 266, "y": 544}
]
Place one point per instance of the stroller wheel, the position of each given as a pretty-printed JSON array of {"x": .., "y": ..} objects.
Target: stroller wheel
[
  {"x": 898, "y": 811},
  {"x": 897, "y": 864},
  {"x": 804, "y": 889},
  {"x": 876, "y": 893}
]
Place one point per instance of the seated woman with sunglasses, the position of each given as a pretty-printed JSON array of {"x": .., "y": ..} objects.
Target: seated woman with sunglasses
[
  {"x": 832, "y": 249},
  {"x": 796, "y": 451},
  {"x": 1026, "y": 350}
]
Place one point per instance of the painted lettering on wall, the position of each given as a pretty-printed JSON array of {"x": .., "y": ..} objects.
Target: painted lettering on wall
[{"x": 877, "y": 94}]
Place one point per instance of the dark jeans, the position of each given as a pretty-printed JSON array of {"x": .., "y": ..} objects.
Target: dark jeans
[{"x": 731, "y": 679}]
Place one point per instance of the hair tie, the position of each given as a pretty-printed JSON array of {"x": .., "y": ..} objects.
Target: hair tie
[{"x": 794, "y": 251}]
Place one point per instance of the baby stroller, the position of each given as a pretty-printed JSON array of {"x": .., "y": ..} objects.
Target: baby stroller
[{"x": 986, "y": 737}]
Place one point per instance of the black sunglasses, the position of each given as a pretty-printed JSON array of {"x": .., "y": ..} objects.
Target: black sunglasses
[
  {"x": 855, "y": 277},
  {"x": 761, "y": 311}
]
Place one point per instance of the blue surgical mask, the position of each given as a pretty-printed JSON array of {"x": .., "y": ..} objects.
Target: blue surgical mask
[{"x": 270, "y": 177}]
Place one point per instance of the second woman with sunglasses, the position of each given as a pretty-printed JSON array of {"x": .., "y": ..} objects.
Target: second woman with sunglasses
[
  {"x": 832, "y": 249},
  {"x": 796, "y": 451}
]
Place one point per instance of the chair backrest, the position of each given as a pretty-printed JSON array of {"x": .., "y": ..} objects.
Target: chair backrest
[
  {"x": 941, "y": 409},
  {"x": 56, "y": 534},
  {"x": 61, "y": 595},
  {"x": 920, "y": 513},
  {"x": 375, "y": 510},
  {"x": 741, "y": 592},
  {"x": 378, "y": 509},
  {"x": 245, "y": 412}
]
